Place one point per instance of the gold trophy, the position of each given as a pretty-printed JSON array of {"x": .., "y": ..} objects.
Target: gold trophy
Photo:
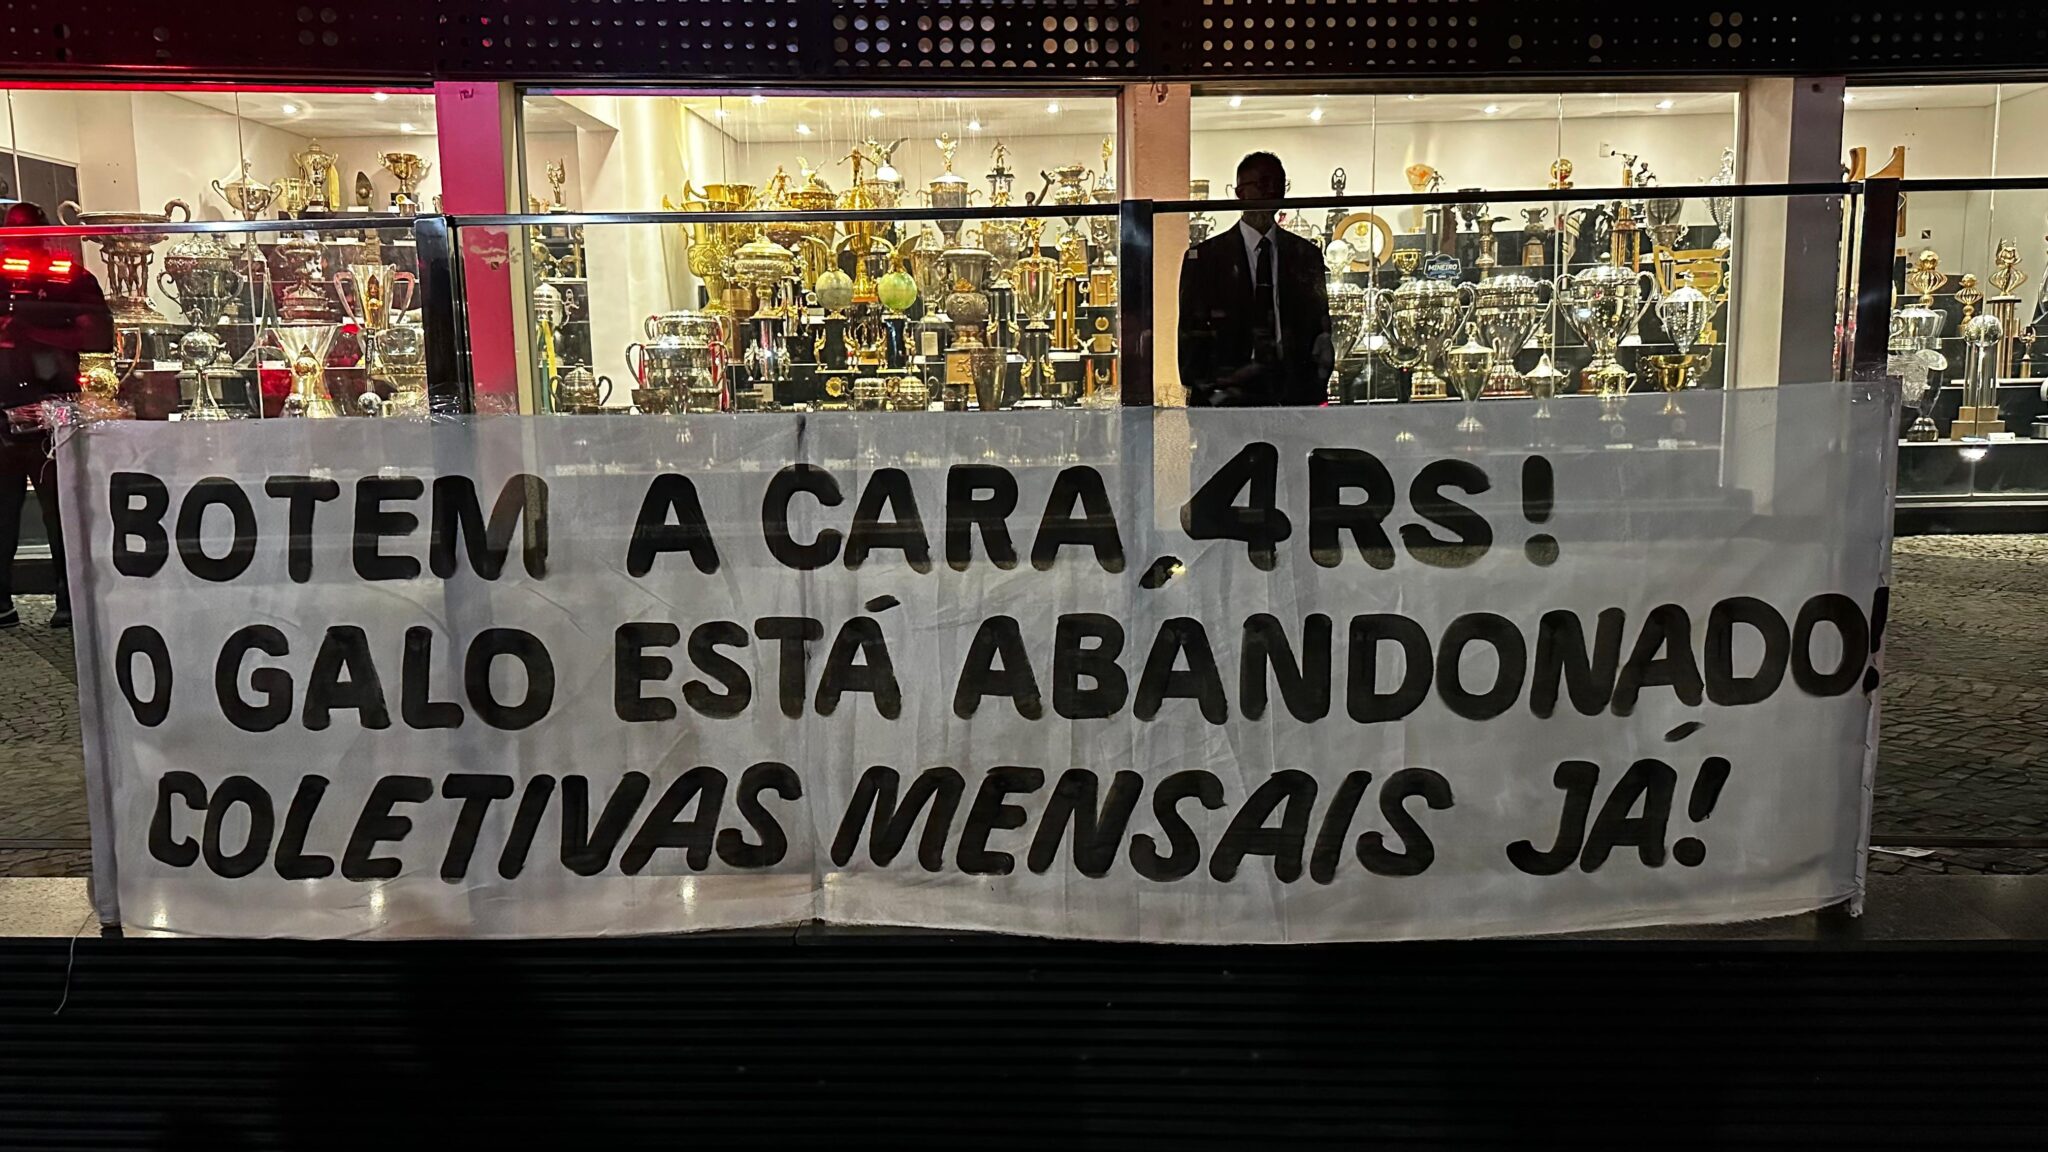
[
  {"x": 305, "y": 351},
  {"x": 409, "y": 169},
  {"x": 2006, "y": 305},
  {"x": 558, "y": 175},
  {"x": 1968, "y": 295},
  {"x": 1037, "y": 279},
  {"x": 316, "y": 167}
]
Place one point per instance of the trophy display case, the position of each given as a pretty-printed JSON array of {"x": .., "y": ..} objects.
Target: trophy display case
[
  {"x": 1969, "y": 262},
  {"x": 816, "y": 252},
  {"x": 316, "y": 319},
  {"x": 254, "y": 245},
  {"x": 1464, "y": 294}
]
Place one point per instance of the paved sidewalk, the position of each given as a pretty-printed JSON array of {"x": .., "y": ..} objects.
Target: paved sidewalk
[
  {"x": 42, "y": 766},
  {"x": 1964, "y": 751}
]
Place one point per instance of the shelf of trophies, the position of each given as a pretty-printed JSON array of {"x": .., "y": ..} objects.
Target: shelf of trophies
[
  {"x": 1967, "y": 363},
  {"x": 314, "y": 321},
  {"x": 967, "y": 309},
  {"x": 1454, "y": 299}
]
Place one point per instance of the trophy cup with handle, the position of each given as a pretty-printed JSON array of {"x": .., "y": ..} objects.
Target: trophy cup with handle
[
  {"x": 316, "y": 165},
  {"x": 1603, "y": 304},
  {"x": 373, "y": 294},
  {"x": 127, "y": 256},
  {"x": 1425, "y": 315},
  {"x": 249, "y": 197},
  {"x": 1505, "y": 310},
  {"x": 409, "y": 169}
]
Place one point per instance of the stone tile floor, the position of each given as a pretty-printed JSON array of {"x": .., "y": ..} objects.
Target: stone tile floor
[{"x": 1964, "y": 749}]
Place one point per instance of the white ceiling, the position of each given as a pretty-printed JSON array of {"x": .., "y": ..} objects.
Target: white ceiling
[
  {"x": 328, "y": 114},
  {"x": 780, "y": 119},
  {"x": 1214, "y": 113},
  {"x": 1936, "y": 95}
]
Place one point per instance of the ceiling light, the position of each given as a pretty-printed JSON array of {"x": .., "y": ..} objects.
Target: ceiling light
[
  {"x": 874, "y": 113},
  {"x": 290, "y": 109},
  {"x": 1848, "y": 97},
  {"x": 803, "y": 129},
  {"x": 380, "y": 97},
  {"x": 1237, "y": 101},
  {"x": 974, "y": 125},
  {"x": 1052, "y": 109},
  {"x": 760, "y": 99},
  {"x": 718, "y": 113},
  {"x": 407, "y": 128},
  {"x": 1491, "y": 109},
  {"x": 1666, "y": 105},
  {"x": 1315, "y": 113},
  {"x": 1413, "y": 96}
]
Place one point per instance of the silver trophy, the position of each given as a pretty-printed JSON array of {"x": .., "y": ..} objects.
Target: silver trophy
[
  {"x": 1425, "y": 315},
  {"x": 1722, "y": 208},
  {"x": 1915, "y": 330},
  {"x": 1685, "y": 312},
  {"x": 1603, "y": 304},
  {"x": 1505, "y": 311}
]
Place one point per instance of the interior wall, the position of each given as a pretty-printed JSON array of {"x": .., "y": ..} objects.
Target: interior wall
[
  {"x": 1941, "y": 143},
  {"x": 1500, "y": 154},
  {"x": 364, "y": 154},
  {"x": 544, "y": 148}
]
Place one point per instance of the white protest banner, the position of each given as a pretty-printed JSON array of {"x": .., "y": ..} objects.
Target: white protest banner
[{"x": 1216, "y": 676}]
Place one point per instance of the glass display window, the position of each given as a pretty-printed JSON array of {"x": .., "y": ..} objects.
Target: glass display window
[
  {"x": 820, "y": 313},
  {"x": 1394, "y": 143},
  {"x": 1406, "y": 284},
  {"x": 139, "y": 156}
]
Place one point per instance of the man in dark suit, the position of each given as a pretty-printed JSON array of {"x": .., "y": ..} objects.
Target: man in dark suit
[{"x": 1255, "y": 308}]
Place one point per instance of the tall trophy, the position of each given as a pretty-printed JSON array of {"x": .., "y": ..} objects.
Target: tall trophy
[
  {"x": 971, "y": 363},
  {"x": 1722, "y": 207},
  {"x": 949, "y": 190},
  {"x": 1983, "y": 336},
  {"x": 925, "y": 255},
  {"x": 305, "y": 350},
  {"x": 1469, "y": 365},
  {"x": 1536, "y": 229},
  {"x": 1425, "y": 315},
  {"x": 1913, "y": 345},
  {"x": 1037, "y": 279},
  {"x": 1505, "y": 311},
  {"x": 316, "y": 166},
  {"x": 409, "y": 169},
  {"x": 2006, "y": 280},
  {"x": 127, "y": 256}
]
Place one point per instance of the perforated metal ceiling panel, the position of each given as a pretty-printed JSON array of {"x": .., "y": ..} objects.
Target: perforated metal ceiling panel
[
  {"x": 1036, "y": 37},
  {"x": 1012, "y": 41},
  {"x": 268, "y": 38},
  {"x": 640, "y": 39}
]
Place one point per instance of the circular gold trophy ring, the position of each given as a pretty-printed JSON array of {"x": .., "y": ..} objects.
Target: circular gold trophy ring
[{"x": 1383, "y": 235}]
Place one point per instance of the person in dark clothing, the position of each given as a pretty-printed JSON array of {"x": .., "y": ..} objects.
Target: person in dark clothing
[
  {"x": 54, "y": 311},
  {"x": 1255, "y": 307}
]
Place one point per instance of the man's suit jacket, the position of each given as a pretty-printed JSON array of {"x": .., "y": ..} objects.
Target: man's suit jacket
[{"x": 1216, "y": 320}]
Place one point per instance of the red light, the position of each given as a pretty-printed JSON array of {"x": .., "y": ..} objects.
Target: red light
[
  {"x": 60, "y": 267},
  {"x": 15, "y": 264}
]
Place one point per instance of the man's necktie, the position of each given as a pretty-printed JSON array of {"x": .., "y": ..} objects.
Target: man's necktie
[{"x": 1262, "y": 292}]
